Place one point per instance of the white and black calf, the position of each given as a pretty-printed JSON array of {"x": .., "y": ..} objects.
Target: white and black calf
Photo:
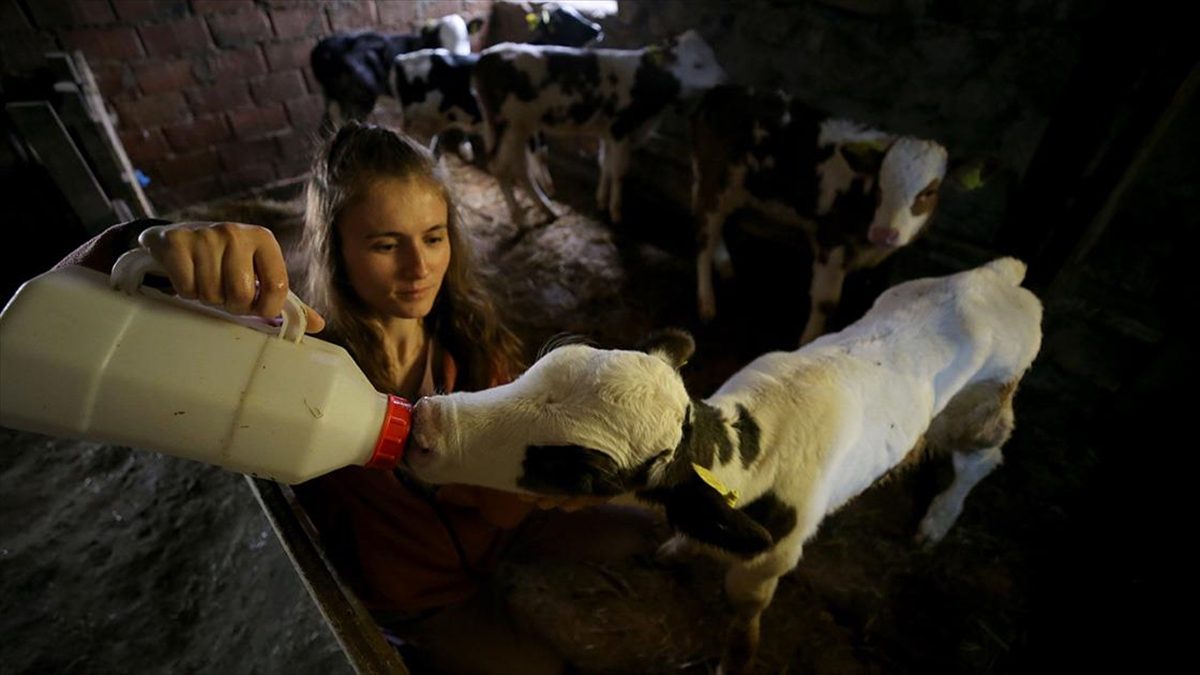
[
  {"x": 859, "y": 194},
  {"x": 556, "y": 24},
  {"x": 789, "y": 439},
  {"x": 354, "y": 69},
  {"x": 433, "y": 87},
  {"x": 617, "y": 95},
  {"x": 550, "y": 23}
]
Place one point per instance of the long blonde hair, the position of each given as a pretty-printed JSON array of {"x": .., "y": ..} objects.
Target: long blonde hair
[{"x": 463, "y": 319}]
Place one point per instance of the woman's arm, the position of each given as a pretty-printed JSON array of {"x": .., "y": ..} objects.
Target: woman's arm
[
  {"x": 231, "y": 265},
  {"x": 101, "y": 251}
]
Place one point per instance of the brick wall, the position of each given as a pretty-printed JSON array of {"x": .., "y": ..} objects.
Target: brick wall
[{"x": 213, "y": 97}]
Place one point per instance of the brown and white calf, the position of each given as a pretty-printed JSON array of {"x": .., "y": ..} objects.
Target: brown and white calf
[
  {"x": 789, "y": 439},
  {"x": 859, "y": 194},
  {"x": 617, "y": 95}
]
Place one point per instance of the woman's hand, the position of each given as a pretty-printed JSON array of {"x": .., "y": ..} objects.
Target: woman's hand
[{"x": 231, "y": 265}]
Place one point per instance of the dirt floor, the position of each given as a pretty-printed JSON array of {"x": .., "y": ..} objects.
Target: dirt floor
[{"x": 116, "y": 560}]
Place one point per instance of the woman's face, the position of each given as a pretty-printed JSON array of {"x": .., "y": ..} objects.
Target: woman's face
[{"x": 396, "y": 246}]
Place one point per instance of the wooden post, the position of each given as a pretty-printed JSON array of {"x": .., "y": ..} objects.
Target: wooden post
[
  {"x": 352, "y": 624},
  {"x": 46, "y": 136}
]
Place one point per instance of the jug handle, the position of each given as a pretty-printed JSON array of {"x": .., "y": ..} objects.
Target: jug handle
[{"x": 131, "y": 268}]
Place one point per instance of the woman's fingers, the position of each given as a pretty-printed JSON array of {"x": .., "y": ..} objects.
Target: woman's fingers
[
  {"x": 316, "y": 322},
  {"x": 236, "y": 266},
  {"x": 269, "y": 267}
]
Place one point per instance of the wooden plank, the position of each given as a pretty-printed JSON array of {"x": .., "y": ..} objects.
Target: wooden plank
[
  {"x": 1100, "y": 223},
  {"x": 369, "y": 653},
  {"x": 44, "y": 133},
  {"x": 136, "y": 197},
  {"x": 85, "y": 130},
  {"x": 62, "y": 67}
]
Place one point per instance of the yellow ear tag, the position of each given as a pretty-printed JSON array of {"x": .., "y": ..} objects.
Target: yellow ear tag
[
  {"x": 657, "y": 55},
  {"x": 972, "y": 179},
  {"x": 862, "y": 147},
  {"x": 731, "y": 496},
  {"x": 532, "y": 19}
]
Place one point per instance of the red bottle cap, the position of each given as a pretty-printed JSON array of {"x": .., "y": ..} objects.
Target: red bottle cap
[{"x": 394, "y": 434}]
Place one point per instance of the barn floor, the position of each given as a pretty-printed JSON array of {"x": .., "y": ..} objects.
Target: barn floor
[{"x": 114, "y": 560}]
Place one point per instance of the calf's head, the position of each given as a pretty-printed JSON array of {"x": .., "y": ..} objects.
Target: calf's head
[
  {"x": 562, "y": 25},
  {"x": 691, "y": 61},
  {"x": 584, "y": 421},
  {"x": 909, "y": 174}
]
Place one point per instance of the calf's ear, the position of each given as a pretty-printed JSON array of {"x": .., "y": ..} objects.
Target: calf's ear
[
  {"x": 864, "y": 156},
  {"x": 697, "y": 510},
  {"x": 671, "y": 345},
  {"x": 570, "y": 470},
  {"x": 973, "y": 173}
]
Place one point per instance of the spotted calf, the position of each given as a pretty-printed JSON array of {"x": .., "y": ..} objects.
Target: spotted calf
[
  {"x": 859, "y": 194},
  {"x": 750, "y": 472},
  {"x": 354, "y": 69},
  {"x": 617, "y": 95},
  {"x": 548, "y": 23}
]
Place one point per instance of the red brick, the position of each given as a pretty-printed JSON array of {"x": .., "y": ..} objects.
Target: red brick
[
  {"x": 239, "y": 28},
  {"x": 352, "y": 16},
  {"x": 398, "y": 15},
  {"x": 289, "y": 55},
  {"x": 144, "y": 145},
  {"x": 141, "y": 10},
  {"x": 62, "y": 14},
  {"x": 296, "y": 145},
  {"x": 291, "y": 168},
  {"x": 248, "y": 176},
  {"x": 113, "y": 78},
  {"x": 305, "y": 113},
  {"x": 311, "y": 81},
  {"x": 104, "y": 43},
  {"x": 152, "y": 111},
  {"x": 218, "y": 6},
  {"x": 237, "y": 153},
  {"x": 184, "y": 168},
  {"x": 199, "y": 133},
  {"x": 252, "y": 122},
  {"x": 233, "y": 64},
  {"x": 436, "y": 9},
  {"x": 298, "y": 22},
  {"x": 155, "y": 77},
  {"x": 282, "y": 86},
  {"x": 219, "y": 97},
  {"x": 175, "y": 37},
  {"x": 179, "y": 195}
]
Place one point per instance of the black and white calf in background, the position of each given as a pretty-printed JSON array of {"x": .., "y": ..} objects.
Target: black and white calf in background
[
  {"x": 433, "y": 86},
  {"x": 617, "y": 95},
  {"x": 859, "y": 194},
  {"x": 555, "y": 24},
  {"x": 549, "y": 23},
  {"x": 354, "y": 69},
  {"x": 751, "y": 471}
]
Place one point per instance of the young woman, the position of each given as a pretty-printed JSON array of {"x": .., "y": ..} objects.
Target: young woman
[{"x": 390, "y": 272}]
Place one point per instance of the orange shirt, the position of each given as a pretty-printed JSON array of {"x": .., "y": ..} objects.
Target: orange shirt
[{"x": 398, "y": 542}]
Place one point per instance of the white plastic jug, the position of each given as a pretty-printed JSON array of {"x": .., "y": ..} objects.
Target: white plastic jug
[{"x": 120, "y": 363}]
